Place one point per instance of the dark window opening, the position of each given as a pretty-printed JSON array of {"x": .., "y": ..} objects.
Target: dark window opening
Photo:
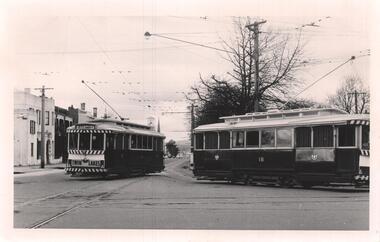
[
  {"x": 323, "y": 136},
  {"x": 253, "y": 138},
  {"x": 73, "y": 141},
  {"x": 119, "y": 142},
  {"x": 346, "y": 135},
  {"x": 97, "y": 141},
  {"x": 145, "y": 142},
  {"x": 365, "y": 137},
  {"x": 139, "y": 141},
  {"x": 133, "y": 141},
  {"x": 160, "y": 144},
  {"x": 199, "y": 141},
  {"x": 84, "y": 141},
  {"x": 32, "y": 127},
  {"x": 237, "y": 139},
  {"x": 154, "y": 143},
  {"x": 31, "y": 149},
  {"x": 224, "y": 140},
  {"x": 267, "y": 138},
  {"x": 211, "y": 140},
  {"x": 150, "y": 142},
  {"x": 126, "y": 142},
  {"x": 303, "y": 137},
  {"x": 110, "y": 141}
]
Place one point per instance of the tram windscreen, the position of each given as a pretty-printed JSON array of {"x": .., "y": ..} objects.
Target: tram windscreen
[
  {"x": 73, "y": 141},
  {"x": 346, "y": 135},
  {"x": 84, "y": 141},
  {"x": 97, "y": 141},
  {"x": 365, "y": 137}
]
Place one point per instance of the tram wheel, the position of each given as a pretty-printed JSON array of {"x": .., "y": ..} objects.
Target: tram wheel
[
  {"x": 307, "y": 184},
  {"x": 286, "y": 181}
]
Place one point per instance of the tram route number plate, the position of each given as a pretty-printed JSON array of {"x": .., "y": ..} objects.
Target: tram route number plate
[{"x": 86, "y": 162}]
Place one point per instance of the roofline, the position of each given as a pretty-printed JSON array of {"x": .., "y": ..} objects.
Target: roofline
[{"x": 283, "y": 112}]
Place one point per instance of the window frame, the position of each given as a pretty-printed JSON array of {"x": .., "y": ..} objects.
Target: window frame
[
  {"x": 229, "y": 139},
  {"x": 196, "y": 141},
  {"x": 244, "y": 139},
  {"x": 291, "y": 129},
  {"x": 217, "y": 140},
  {"x": 103, "y": 146},
  {"x": 355, "y": 137},
  {"x": 274, "y": 138},
  {"x": 333, "y": 136}
]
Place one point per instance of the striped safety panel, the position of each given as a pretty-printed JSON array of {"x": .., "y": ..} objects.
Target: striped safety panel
[
  {"x": 364, "y": 152},
  {"x": 85, "y": 170},
  {"x": 358, "y": 122},
  {"x": 88, "y": 131},
  {"x": 86, "y": 152},
  {"x": 361, "y": 178}
]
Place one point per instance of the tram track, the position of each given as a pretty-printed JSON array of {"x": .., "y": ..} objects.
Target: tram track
[{"x": 82, "y": 204}]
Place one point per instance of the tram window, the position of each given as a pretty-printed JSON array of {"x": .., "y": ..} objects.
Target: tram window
[
  {"x": 159, "y": 144},
  {"x": 253, "y": 138},
  {"x": 145, "y": 142},
  {"x": 110, "y": 141},
  {"x": 284, "y": 138},
  {"x": 303, "y": 137},
  {"x": 237, "y": 139},
  {"x": 323, "y": 136},
  {"x": 267, "y": 138},
  {"x": 119, "y": 142},
  {"x": 199, "y": 141},
  {"x": 346, "y": 135},
  {"x": 150, "y": 142},
  {"x": 211, "y": 140},
  {"x": 154, "y": 143},
  {"x": 139, "y": 142},
  {"x": 84, "y": 141},
  {"x": 365, "y": 137},
  {"x": 97, "y": 141},
  {"x": 224, "y": 140},
  {"x": 133, "y": 141},
  {"x": 126, "y": 142},
  {"x": 73, "y": 141}
]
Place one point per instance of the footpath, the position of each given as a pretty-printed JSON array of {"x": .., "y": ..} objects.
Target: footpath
[{"x": 18, "y": 170}]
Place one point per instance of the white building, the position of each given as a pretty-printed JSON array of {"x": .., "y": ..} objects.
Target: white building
[{"x": 27, "y": 128}]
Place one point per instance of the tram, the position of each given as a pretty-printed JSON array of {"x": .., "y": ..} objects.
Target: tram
[
  {"x": 107, "y": 146},
  {"x": 307, "y": 147}
]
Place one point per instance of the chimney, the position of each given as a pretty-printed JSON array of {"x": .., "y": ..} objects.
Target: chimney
[
  {"x": 83, "y": 106},
  {"x": 95, "y": 112}
]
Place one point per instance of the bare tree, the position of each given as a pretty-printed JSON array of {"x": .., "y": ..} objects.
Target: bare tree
[
  {"x": 344, "y": 98},
  {"x": 279, "y": 57}
]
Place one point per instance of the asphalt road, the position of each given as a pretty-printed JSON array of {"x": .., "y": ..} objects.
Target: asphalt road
[{"x": 175, "y": 200}]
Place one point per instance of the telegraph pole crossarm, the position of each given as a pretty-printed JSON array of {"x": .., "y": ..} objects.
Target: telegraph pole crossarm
[{"x": 42, "y": 165}]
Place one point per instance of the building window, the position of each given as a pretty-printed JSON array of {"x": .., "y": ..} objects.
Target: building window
[
  {"x": 267, "y": 138},
  {"x": 38, "y": 117},
  {"x": 365, "y": 137},
  {"x": 284, "y": 138},
  {"x": 199, "y": 141},
  {"x": 52, "y": 117},
  {"x": 47, "y": 118},
  {"x": 346, "y": 135},
  {"x": 84, "y": 141},
  {"x": 211, "y": 140},
  {"x": 303, "y": 137},
  {"x": 73, "y": 141},
  {"x": 253, "y": 138},
  {"x": 323, "y": 136},
  {"x": 97, "y": 141},
  {"x": 31, "y": 149},
  {"x": 224, "y": 140},
  {"x": 32, "y": 127},
  {"x": 237, "y": 139}
]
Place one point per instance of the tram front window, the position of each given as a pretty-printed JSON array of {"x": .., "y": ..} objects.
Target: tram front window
[
  {"x": 84, "y": 141},
  {"x": 73, "y": 141},
  {"x": 365, "y": 137},
  {"x": 97, "y": 141}
]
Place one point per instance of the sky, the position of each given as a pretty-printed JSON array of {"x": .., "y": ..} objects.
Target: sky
[{"x": 58, "y": 44}]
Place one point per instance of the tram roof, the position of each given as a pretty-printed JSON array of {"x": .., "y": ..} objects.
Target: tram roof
[
  {"x": 108, "y": 126},
  {"x": 337, "y": 119}
]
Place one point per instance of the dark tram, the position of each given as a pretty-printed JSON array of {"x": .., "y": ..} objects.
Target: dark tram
[
  {"x": 305, "y": 147},
  {"x": 106, "y": 146}
]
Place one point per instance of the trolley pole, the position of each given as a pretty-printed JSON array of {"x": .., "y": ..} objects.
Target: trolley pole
[
  {"x": 42, "y": 165},
  {"x": 256, "y": 32},
  {"x": 192, "y": 128}
]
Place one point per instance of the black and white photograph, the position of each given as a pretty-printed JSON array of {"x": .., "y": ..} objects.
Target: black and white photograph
[{"x": 160, "y": 120}]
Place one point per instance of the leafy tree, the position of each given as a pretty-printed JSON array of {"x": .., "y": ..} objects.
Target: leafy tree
[
  {"x": 344, "y": 98},
  {"x": 171, "y": 148},
  {"x": 279, "y": 59}
]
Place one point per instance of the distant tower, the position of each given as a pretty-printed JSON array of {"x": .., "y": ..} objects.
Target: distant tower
[{"x": 158, "y": 126}]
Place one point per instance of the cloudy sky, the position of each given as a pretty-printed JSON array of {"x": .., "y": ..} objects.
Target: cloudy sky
[{"x": 58, "y": 44}]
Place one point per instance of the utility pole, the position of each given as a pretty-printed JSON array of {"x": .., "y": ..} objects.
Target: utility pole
[
  {"x": 192, "y": 128},
  {"x": 43, "y": 124},
  {"x": 255, "y": 28},
  {"x": 356, "y": 93}
]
